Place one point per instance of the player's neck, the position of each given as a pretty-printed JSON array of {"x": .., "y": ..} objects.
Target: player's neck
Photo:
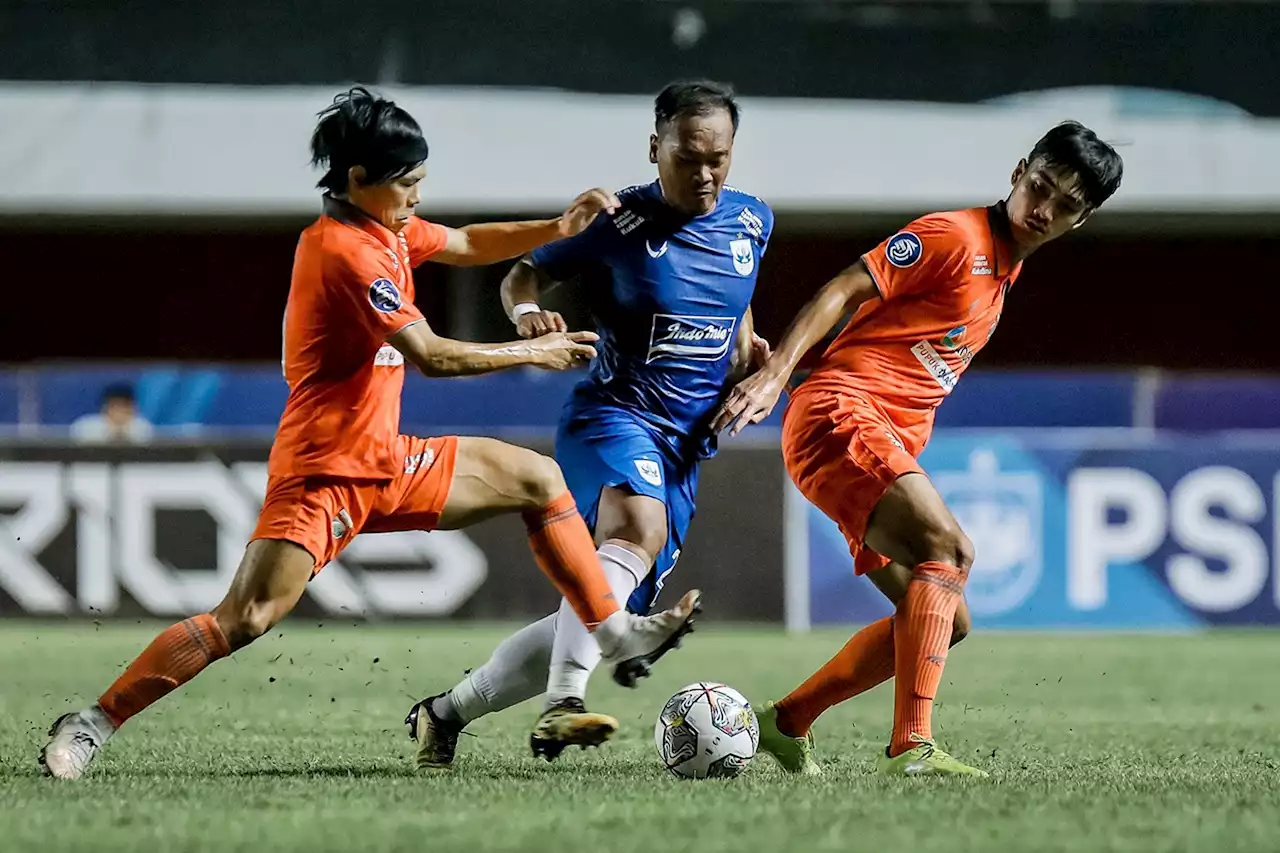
[
  {"x": 341, "y": 209},
  {"x": 683, "y": 214},
  {"x": 998, "y": 218}
]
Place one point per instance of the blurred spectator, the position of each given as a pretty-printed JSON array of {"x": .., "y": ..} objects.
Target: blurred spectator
[{"x": 118, "y": 421}]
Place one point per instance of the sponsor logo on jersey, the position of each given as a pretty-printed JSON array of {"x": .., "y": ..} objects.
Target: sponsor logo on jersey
[
  {"x": 981, "y": 266},
  {"x": 388, "y": 356},
  {"x": 744, "y": 258},
  {"x": 937, "y": 367},
  {"x": 627, "y": 221},
  {"x": 696, "y": 338},
  {"x": 419, "y": 460},
  {"x": 753, "y": 223},
  {"x": 952, "y": 338},
  {"x": 904, "y": 249},
  {"x": 650, "y": 471},
  {"x": 385, "y": 296}
]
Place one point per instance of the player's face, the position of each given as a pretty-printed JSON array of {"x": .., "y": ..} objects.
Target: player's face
[
  {"x": 693, "y": 156},
  {"x": 1045, "y": 204},
  {"x": 391, "y": 202}
]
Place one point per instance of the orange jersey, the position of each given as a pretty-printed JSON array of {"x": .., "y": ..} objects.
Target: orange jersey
[
  {"x": 942, "y": 282},
  {"x": 352, "y": 288}
]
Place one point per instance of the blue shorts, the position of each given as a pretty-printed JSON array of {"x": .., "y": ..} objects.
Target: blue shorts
[{"x": 611, "y": 448}]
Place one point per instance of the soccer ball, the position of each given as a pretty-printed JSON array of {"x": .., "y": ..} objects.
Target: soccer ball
[{"x": 707, "y": 731}]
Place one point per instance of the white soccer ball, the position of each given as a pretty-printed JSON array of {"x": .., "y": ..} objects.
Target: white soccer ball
[{"x": 707, "y": 731}]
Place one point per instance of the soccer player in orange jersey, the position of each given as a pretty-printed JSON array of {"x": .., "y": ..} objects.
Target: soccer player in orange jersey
[
  {"x": 924, "y": 302},
  {"x": 339, "y": 466}
]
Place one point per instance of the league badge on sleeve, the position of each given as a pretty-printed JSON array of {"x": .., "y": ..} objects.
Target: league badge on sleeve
[
  {"x": 904, "y": 249},
  {"x": 385, "y": 296}
]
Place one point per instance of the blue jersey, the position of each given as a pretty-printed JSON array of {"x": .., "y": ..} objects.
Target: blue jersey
[{"x": 678, "y": 290}]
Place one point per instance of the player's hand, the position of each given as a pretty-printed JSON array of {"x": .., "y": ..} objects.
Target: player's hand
[
  {"x": 564, "y": 350},
  {"x": 750, "y": 402},
  {"x": 584, "y": 209},
  {"x": 538, "y": 323},
  {"x": 760, "y": 352}
]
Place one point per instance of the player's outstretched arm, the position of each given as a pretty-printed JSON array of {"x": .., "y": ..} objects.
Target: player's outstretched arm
[
  {"x": 437, "y": 356},
  {"x": 753, "y": 398},
  {"x": 492, "y": 242},
  {"x": 521, "y": 290},
  {"x": 750, "y": 351}
]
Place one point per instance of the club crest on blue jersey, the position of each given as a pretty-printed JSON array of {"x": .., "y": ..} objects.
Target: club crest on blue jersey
[
  {"x": 384, "y": 295},
  {"x": 695, "y": 338},
  {"x": 744, "y": 259},
  {"x": 904, "y": 249}
]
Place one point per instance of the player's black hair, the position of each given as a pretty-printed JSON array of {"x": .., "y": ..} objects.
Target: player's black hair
[
  {"x": 1076, "y": 148},
  {"x": 685, "y": 98},
  {"x": 361, "y": 129},
  {"x": 117, "y": 391}
]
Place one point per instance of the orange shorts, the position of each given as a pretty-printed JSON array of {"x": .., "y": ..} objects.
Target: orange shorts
[
  {"x": 843, "y": 452},
  {"x": 323, "y": 514}
]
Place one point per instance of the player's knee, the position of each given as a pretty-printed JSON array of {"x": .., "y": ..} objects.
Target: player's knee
[
  {"x": 540, "y": 479},
  {"x": 242, "y": 622},
  {"x": 948, "y": 545}
]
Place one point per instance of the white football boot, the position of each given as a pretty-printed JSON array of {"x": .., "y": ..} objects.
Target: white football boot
[
  {"x": 632, "y": 644},
  {"x": 74, "y": 740}
]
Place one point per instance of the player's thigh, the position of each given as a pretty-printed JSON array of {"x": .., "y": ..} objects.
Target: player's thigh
[
  {"x": 268, "y": 583},
  {"x": 844, "y": 458},
  {"x": 893, "y": 579},
  {"x": 911, "y": 524},
  {"x": 492, "y": 478},
  {"x": 632, "y": 519}
]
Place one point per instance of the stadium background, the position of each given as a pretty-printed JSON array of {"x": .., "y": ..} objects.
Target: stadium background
[{"x": 1114, "y": 454}]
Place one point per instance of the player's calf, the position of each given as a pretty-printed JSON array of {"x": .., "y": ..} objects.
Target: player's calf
[{"x": 268, "y": 583}]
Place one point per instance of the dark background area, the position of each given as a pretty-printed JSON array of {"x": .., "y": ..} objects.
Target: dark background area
[
  {"x": 959, "y": 51},
  {"x": 217, "y": 293}
]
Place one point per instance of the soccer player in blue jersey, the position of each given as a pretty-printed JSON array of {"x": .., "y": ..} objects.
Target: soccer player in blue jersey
[{"x": 681, "y": 255}]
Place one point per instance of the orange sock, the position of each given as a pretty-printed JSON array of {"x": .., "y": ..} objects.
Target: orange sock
[
  {"x": 922, "y": 634},
  {"x": 865, "y": 661},
  {"x": 566, "y": 553},
  {"x": 173, "y": 658}
]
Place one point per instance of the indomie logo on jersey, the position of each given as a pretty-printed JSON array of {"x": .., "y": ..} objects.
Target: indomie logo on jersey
[{"x": 697, "y": 338}]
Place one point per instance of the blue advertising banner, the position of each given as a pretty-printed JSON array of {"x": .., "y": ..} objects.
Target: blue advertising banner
[{"x": 1078, "y": 530}]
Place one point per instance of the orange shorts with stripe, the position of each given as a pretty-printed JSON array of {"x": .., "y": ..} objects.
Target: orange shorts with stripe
[
  {"x": 323, "y": 514},
  {"x": 843, "y": 451}
]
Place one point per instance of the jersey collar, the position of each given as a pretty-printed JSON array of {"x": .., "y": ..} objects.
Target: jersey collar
[
  {"x": 1001, "y": 241},
  {"x": 348, "y": 214}
]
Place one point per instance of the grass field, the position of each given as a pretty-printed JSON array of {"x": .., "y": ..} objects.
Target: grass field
[{"x": 1094, "y": 743}]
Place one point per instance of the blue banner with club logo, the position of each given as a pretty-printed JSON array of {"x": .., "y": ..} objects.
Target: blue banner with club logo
[{"x": 1075, "y": 529}]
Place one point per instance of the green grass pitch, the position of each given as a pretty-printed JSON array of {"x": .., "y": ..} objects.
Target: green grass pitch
[{"x": 1095, "y": 743}]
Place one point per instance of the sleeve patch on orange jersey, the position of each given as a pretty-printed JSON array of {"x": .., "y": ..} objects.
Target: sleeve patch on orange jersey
[
  {"x": 904, "y": 249},
  {"x": 385, "y": 296}
]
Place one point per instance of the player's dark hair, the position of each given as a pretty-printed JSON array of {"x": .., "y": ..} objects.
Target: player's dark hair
[
  {"x": 1077, "y": 149},
  {"x": 360, "y": 129},
  {"x": 117, "y": 391},
  {"x": 685, "y": 98}
]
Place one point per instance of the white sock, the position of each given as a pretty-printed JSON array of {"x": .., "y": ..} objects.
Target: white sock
[
  {"x": 575, "y": 652},
  {"x": 512, "y": 674}
]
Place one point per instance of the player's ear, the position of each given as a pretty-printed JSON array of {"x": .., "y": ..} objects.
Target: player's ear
[
  {"x": 1018, "y": 171},
  {"x": 653, "y": 148},
  {"x": 356, "y": 175},
  {"x": 1083, "y": 219}
]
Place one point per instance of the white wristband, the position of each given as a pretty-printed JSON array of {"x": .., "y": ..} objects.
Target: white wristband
[{"x": 524, "y": 308}]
